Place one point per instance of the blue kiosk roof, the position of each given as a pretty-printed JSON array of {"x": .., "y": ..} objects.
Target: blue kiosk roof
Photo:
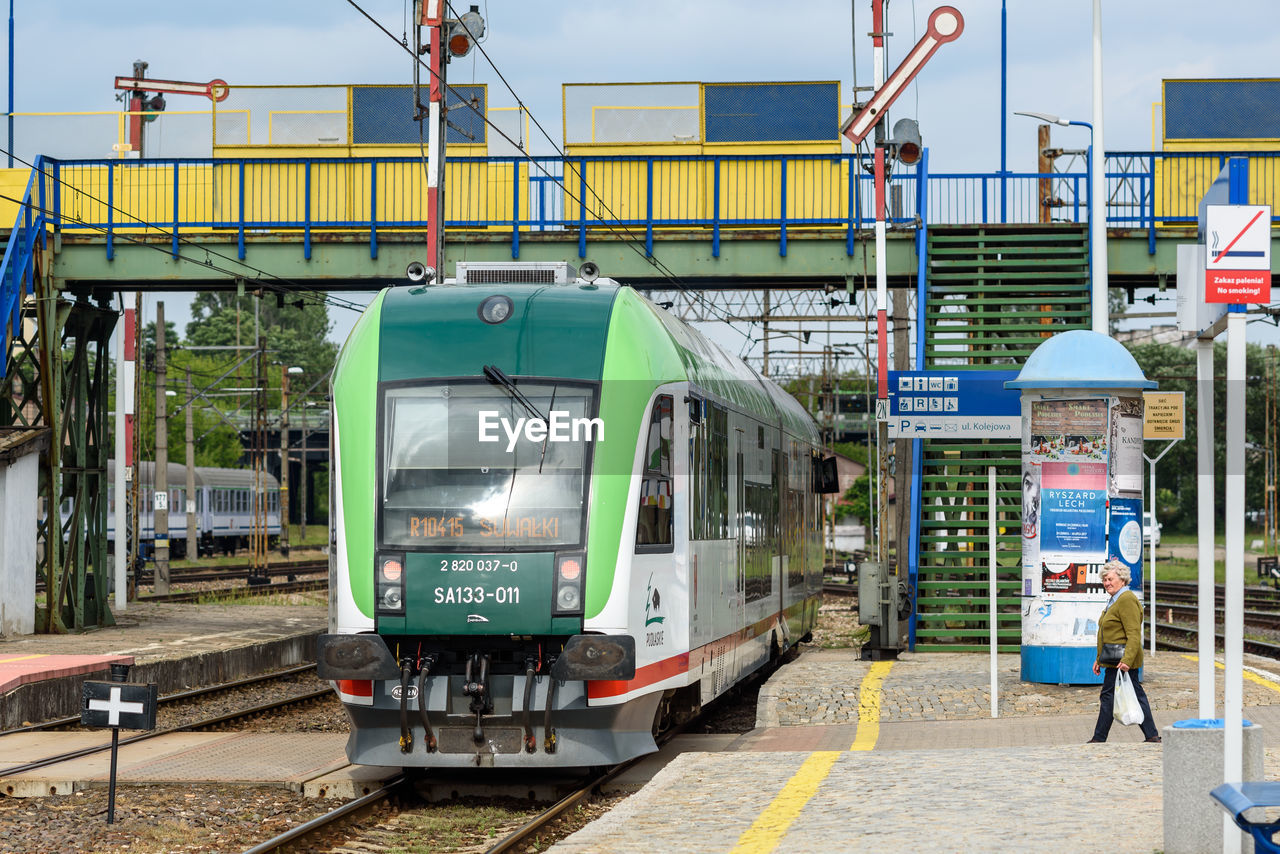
[{"x": 1081, "y": 359}]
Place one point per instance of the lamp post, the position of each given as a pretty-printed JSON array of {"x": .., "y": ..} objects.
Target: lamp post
[
  {"x": 285, "y": 373},
  {"x": 1097, "y": 221}
]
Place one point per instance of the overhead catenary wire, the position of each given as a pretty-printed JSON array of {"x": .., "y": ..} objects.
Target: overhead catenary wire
[{"x": 631, "y": 240}]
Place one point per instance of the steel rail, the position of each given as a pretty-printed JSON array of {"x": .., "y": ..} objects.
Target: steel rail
[
  {"x": 191, "y": 727},
  {"x": 307, "y": 828}
]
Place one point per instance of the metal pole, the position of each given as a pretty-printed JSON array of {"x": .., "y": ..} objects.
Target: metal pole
[
  {"x": 193, "y": 548},
  {"x": 1098, "y": 189},
  {"x": 303, "y": 479},
  {"x": 1205, "y": 523},
  {"x": 118, "y": 605},
  {"x": 124, "y": 403},
  {"x": 111, "y": 789},
  {"x": 1154, "y": 521},
  {"x": 1004, "y": 110},
  {"x": 160, "y": 493},
  {"x": 991, "y": 581},
  {"x": 284, "y": 460},
  {"x": 1152, "y": 580},
  {"x": 888, "y": 638},
  {"x": 1233, "y": 594}
]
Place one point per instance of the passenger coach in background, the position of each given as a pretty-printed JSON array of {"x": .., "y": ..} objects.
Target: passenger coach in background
[
  {"x": 226, "y": 505},
  {"x": 563, "y": 520}
]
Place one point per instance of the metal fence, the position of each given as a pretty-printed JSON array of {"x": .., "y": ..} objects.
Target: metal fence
[{"x": 813, "y": 193}]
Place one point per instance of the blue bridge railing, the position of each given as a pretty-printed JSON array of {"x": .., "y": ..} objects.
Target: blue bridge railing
[{"x": 641, "y": 196}]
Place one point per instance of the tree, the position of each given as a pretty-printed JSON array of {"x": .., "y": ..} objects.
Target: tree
[
  {"x": 1174, "y": 368},
  {"x": 295, "y": 331}
]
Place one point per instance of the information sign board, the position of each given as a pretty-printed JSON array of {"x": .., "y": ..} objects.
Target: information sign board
[
  {"x": 1164, "y": 415},
  {"x": 944, "y": 404}
]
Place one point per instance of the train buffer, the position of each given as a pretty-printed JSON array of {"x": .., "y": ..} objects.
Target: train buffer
[
  {"x": 1238, "y": 798},
  {"x": 1269, "y": 569}
]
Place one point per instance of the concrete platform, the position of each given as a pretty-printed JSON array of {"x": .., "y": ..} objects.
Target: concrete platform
[
  {"x": 904, "y": 756},
  {"x": 174, "y": 645},
  {"x": 290, "y": 760},
  {"x": 18, "y": 670}
]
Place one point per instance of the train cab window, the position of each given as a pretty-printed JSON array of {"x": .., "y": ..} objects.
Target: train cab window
[{"x": 653, "y": 522}]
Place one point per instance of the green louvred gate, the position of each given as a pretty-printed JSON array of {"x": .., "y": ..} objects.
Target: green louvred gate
[{"x": 994, "y": 294}]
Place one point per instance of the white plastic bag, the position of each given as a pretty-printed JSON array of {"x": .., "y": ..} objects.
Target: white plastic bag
[{"x": 1124, "y": 706}]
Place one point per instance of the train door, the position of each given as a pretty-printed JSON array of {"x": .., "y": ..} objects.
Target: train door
[{"x": 740, "y": 517}]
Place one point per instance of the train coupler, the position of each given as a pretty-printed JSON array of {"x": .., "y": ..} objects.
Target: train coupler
[{"x": 477, "y": 688}]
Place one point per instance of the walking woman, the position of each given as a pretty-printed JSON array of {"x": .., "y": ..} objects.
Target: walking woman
[{"x": 1120, "y": 623}]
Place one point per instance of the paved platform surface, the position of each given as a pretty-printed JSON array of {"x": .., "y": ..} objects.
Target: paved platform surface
[
  {"x": 155, "y": 631},
  {"x": 174, "y": 645},
  {"x": 904, "y": 757},
  {"x": 24, "y": 668},
  {"x": 291, "y": 760}
]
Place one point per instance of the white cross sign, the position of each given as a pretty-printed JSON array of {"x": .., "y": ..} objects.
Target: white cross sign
[
  {"x": 114, "y": 706},
  {"x": 128, "y": 705}
]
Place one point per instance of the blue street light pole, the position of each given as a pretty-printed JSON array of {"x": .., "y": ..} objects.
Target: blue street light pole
[{"x": 1097, "y": 200}]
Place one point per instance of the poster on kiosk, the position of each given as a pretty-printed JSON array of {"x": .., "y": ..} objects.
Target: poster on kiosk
[{"x": 1081, "y": 496}]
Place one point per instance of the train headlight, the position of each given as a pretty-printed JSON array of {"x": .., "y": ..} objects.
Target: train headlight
[
  {"x": 390, "y": 582},
  {"x": 495, "y": 309},
  {"x": 568, "y": 601}
]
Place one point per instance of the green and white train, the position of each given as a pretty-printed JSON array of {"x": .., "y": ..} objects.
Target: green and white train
[{"x": 562, "y": 520}]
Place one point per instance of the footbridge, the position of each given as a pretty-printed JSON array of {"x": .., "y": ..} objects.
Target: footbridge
[{"x": 983, "y": 266}]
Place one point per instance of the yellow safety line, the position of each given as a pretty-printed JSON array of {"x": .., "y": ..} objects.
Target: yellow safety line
[
  {"x": 1245, "y": 672},
  {"x": 869, "y": 707},
  {"x": 767, "y": 830},
  {"x": 23, "y": 657}
]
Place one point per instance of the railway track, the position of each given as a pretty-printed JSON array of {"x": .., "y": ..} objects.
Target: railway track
[
  {"x": 239, "y": 590},
  {"x": 199, "y": 574},
  {"x": 169, "y": 699}
]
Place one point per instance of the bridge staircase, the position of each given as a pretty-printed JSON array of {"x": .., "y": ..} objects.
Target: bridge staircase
[{"x": 994, "y": 294}]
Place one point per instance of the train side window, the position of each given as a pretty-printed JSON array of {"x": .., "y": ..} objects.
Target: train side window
[{"x": 654, "y": 520}]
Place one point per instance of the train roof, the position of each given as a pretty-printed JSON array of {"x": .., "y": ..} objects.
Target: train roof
[
  {"x": 212, "y": 476},
  {"x": 558, "y": 330}
]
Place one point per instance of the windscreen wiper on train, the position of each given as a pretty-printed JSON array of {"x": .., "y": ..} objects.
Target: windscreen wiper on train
[{"x": 495, "y": 375}]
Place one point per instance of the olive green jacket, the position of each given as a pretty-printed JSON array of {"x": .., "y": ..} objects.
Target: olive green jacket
[{"x": 1122, "y": 623}]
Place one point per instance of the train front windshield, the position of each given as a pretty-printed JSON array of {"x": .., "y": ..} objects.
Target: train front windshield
[{"x": 469, "y": 466}]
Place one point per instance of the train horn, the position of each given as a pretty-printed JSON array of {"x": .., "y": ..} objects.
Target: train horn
[
  {"x": 588, "y": 272},
  {"x": 419, "y": 272}
]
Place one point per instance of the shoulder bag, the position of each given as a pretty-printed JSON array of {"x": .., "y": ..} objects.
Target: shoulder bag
[{"x": 1111, "y": 654}]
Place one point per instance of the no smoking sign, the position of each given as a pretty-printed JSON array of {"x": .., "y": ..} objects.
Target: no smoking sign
[{"x": 1238, "y": 254}]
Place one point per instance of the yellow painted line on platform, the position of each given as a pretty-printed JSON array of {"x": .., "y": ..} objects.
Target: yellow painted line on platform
[
  {"x": 869, "y": 707},
  {"x": 23, "y": 657},
  {"x": 767, "y": 830},
  {"x": 1245, "y": 672}
]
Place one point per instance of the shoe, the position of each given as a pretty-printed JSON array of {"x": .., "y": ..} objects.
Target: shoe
[
  {"x": 1095, "y": 741},
  {"x": 1155, "y": 739}
]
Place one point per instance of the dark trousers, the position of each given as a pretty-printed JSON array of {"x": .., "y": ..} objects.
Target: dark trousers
[{"x": 1105, "y": 718}]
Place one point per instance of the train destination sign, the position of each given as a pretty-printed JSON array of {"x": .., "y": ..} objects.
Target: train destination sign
[{"x": 953, "y": 405}]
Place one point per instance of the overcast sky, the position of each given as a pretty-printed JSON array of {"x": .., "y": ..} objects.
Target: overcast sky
[{"x": 67, "y": 54}]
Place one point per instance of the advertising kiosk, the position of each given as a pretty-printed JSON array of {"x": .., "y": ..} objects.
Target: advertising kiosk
[{"x": 1081, "y": 495}]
